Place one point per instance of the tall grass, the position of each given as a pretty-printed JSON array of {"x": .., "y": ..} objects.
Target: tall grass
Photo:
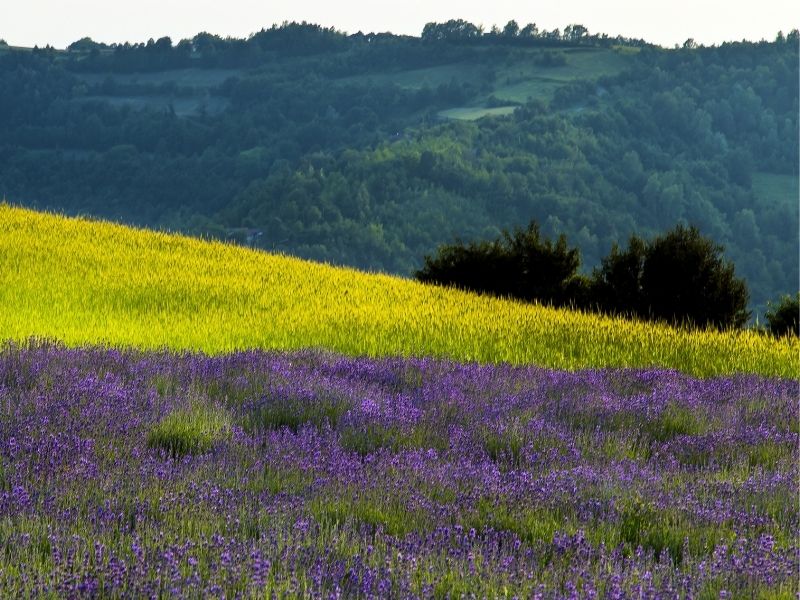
[
  {"x": 81, "y": 282},
  {"x": 192, "y": 430}
]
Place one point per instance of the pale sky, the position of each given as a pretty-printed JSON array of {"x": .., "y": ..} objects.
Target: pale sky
[{"x": 665, "y": 22}]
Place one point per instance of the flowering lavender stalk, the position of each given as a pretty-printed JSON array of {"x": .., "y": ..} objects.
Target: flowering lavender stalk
[{"x": 129, "y": 474}]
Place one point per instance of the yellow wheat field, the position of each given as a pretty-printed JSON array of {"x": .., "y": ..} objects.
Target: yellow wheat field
[{"x": 87, "y": 282}]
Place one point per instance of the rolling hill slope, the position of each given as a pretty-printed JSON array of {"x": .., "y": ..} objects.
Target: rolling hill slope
[
  {"x": 86, "y": 282},
  {"x": 372, "y": 150}
]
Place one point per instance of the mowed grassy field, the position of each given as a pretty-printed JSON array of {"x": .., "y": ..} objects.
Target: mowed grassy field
[
  {"x": 528, "y": 80},
  {"x": 518, "y": 79},
  {"x": 201, "y": 81},
  {"x": 84, "y": 282},
  {"x": 473, "y": 113}
]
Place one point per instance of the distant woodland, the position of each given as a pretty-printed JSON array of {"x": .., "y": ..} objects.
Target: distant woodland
[{"x": 372, "y": 150}]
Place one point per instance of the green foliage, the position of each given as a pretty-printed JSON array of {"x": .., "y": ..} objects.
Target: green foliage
[
  {"x": 86, "y": 45},
  {"x": 552, "y": 59},
  {"x": 673, "y": 421},
  {"x": 367, "y": 439},
  {"x": 294, "y": 413},
  {"x": 532, "y": 525},
  {"x": 454, "y": 585},
  {"x": 642, "y": 524},
  {"x": 193, "y": 430},
  {"x": 388, "y": 513},
  {"x": 504, "y": 447},
  {"x": 679, "y": 277},
  {"x": 767, "y": 455},
  {"x": 164, "y": 385},
  {"x": 4, "y": 478},
  {"x": 519, "y": 265},
  {"x": 784, "y": 318},
  {"x": 618, "y": 282},
  {"x": 315, "y": 138},
  {"x": 280, "y": 480},
  {"x": 685, "y": 279}
]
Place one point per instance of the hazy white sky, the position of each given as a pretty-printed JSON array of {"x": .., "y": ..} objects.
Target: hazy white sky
[{"x": 666, "y": 22}]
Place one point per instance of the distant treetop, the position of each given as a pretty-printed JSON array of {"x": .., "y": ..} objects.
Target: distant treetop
[
  {"x": 459, "y": 31},
  {"x": 86, "y": 44}
]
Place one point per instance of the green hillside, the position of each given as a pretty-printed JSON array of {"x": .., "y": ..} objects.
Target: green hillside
[{"x": 370, "y": 150}]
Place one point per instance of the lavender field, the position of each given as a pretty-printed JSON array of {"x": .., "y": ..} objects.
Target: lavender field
[{"x": 132, "y": 474}]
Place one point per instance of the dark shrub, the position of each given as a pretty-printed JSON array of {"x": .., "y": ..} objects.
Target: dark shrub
[
  {"x": 679, "y": 277},
  {"x": 617, "y": 284},
  {"x": 784, "y": 318},
  {"x": 520, "y": 265},
  {"x": 685, "y": 280}
]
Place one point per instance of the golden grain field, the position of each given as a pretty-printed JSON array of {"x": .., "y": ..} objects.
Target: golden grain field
[{"x": 89, "y": 282}]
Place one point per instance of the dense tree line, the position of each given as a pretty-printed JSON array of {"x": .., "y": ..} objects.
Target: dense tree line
[
  {"x": 519, "y": 264},
  {"x": 335, "y": 53},
  {"x": 350, "y": 53},
  {"x": 679, "y": 277},
  {"x": 459, "y": 31},
  {"x": 311, "y": 146}
]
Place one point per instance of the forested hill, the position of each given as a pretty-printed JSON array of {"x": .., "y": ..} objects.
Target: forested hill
[{"x": 370, "y": 150}]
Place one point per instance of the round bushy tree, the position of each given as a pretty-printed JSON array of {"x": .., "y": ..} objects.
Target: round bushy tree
[{"x": 686, "y": 280}]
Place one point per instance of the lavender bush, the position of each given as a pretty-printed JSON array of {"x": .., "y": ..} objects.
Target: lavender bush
[{"x": 126, "y": 474}]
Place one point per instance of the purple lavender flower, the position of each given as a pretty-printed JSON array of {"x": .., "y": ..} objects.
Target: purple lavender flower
[{"x": 409, "y": 478}]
